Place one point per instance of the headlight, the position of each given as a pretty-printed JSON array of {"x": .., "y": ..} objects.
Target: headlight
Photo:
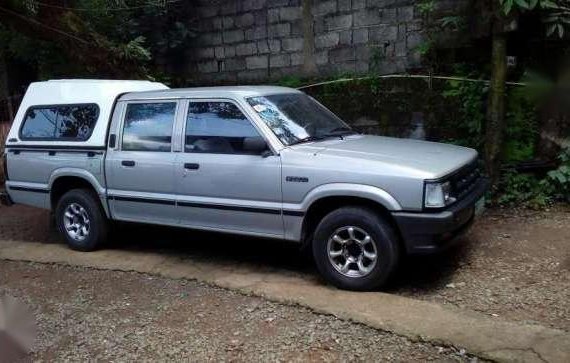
[{"x": 437, "y": 195}]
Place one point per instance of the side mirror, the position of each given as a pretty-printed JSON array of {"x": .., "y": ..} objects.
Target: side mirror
[{"x": 255, "y": 145}]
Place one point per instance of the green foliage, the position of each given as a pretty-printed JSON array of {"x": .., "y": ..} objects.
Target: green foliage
[
  {"x": 134, "y": 50},
  {"x": 556, "y": 13},
  {"x": 559, "y": 179},
  {"x": 453, "y": 22},
  {"x": 425, "y": 47},
  {"x": 41, "y": 55},
  {"x": 436, "y": 27},
  {"x": 523, "y": 190},
  {"x": 470, "y": 98},
  {"x": 131, "y": 36},
  {"x": 426, "y": 7},
  {"x": 290, "y": 81},
  {"x": 530, "y": 191},
  {"x": 522, "y": 125}
]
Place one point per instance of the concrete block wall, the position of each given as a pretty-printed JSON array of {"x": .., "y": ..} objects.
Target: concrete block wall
[{"x": 247, "y": 41}]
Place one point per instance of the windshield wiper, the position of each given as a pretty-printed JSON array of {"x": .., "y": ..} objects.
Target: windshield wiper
[
  {"x": 340, "y": 132},
  {"x": 337, "y": 132},
  {"x": 343, "y": 130},
  {"x": 306, "y": 139}
]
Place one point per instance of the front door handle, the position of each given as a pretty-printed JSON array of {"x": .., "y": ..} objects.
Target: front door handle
[
  {"x": 128, "y": 163},
  {"x": 191, "y": 166}
]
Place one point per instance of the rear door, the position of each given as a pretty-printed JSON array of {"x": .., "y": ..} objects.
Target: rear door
[
  {"x": 140, "y": 166},
  {"x": 221, "y": 183}
]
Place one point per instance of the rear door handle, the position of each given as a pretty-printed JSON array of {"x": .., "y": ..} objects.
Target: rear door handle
[
  {"x": 191, "y": 166},
  {"x": 127, "y": 163}
]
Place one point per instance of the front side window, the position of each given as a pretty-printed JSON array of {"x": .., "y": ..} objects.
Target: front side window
[
  {"x": 148, "y": 126},
  {"x": 218, "y": 128},
  {"x": 296, "y": 117},
  {"x": 64, "y": 122}
]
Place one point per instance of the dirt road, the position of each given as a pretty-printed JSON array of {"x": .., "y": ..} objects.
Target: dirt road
[
  {"x": 85, "y": 314},
  {"x": 512, "y": 264}
]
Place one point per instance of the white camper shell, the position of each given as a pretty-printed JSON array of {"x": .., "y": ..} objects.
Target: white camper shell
[{"x": 103, "y": 93}]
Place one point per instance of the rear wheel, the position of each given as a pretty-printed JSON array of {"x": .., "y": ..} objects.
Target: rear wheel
[
  {"x": 355, "y": 249},
  {"x": 81, "y": 220}
]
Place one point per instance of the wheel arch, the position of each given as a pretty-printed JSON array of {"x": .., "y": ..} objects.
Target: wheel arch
[
  {"x": 65, "y": 179},
  {"x": 341, "y": 195}
]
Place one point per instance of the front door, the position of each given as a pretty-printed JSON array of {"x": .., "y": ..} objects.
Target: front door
[
  {"x": 140, "y": 169},
  {"x": 225, "y": 182}
]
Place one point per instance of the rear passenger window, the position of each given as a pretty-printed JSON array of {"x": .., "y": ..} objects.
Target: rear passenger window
[
  {"x": 148, "y": 126},
  {"x": 60, "y": 123},
  {"x": 217, "y": 128}
]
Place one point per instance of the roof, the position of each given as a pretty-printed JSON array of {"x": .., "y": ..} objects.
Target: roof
[
  {"x": 69, "y": 91},
  {"x": 210, "y": 92}
]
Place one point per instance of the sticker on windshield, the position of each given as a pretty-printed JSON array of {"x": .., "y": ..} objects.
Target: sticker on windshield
[{"x": 260, "y": 108}]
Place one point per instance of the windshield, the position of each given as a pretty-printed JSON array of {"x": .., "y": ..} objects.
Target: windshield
[{"x": 296, "y": 118}]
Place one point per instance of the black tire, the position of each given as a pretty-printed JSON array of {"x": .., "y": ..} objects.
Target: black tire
[
  {"x": 382, "y": 236},
  {"x": 98, "y": 224}
]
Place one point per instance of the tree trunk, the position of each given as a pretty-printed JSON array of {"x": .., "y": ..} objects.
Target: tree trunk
[
  {"x": 496, "y": 108},
  {"x": 309, "y": 64}
]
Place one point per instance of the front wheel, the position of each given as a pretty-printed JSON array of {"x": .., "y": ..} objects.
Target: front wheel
[
  {"x": 81, "y": 220},
  {"x": 355, "y": 249}
]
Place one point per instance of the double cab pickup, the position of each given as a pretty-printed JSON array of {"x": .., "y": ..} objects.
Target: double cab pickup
[{"x": 254, "y": 160}]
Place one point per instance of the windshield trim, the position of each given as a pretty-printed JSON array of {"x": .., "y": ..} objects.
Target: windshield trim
[{"x": 320, "y": 105}]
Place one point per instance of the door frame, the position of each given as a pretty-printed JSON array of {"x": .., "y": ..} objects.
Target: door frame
[
  {"x": 117, "y": 128},
  {"x": 263, "y": 206}
]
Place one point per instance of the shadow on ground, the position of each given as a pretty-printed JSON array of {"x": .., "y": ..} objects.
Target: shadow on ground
[
  {"x": 422, "y": 273},
  {"x": 415, "y": 273}
]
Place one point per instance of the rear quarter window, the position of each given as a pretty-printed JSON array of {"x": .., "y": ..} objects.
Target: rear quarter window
[
  {"x": 60, "y": 122},
  {"x": 148, "y": 126}
]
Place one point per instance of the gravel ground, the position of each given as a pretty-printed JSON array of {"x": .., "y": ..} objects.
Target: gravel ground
[
  {"x": 85, "y": 314},
  {"x": 514, "y": 265}
]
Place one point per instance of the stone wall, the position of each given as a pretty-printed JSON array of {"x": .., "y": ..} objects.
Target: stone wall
[{"x": 245, "y": 41}]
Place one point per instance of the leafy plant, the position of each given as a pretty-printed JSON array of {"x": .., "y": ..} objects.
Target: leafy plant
[
  {"x": 452, "y": 22},
  {"x": 470, "y": 97},
  {"x": 426, "y": 7},
  {"x": 526, "y": 190},
  {"x": 290, "y": 81},
  {"x": 523, "y": 190},
  {"x": 556, "y": 12},
  {"x": 522, "y": 124},
  {"x": 425, "y": 47},
  {"x": 560, "y": 178}
]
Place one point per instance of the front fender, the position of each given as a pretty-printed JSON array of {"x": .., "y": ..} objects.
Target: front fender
[
  {"x": 294, "y": 214},
  {"x": 351, "y": 190}
]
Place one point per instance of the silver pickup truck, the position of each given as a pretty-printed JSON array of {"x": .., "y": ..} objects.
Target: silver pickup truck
[{"x": 258, "y": 160}]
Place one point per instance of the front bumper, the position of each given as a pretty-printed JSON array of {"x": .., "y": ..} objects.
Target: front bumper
[
  {"x": 425, "y": 232},
  {"x": 5, "y": 199}
]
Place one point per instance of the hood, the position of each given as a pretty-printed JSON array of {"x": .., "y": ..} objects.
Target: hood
[{"x": 432, "y": 159}]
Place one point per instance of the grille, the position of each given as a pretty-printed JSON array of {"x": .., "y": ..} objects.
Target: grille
[{"x": 464, "y": 180}]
